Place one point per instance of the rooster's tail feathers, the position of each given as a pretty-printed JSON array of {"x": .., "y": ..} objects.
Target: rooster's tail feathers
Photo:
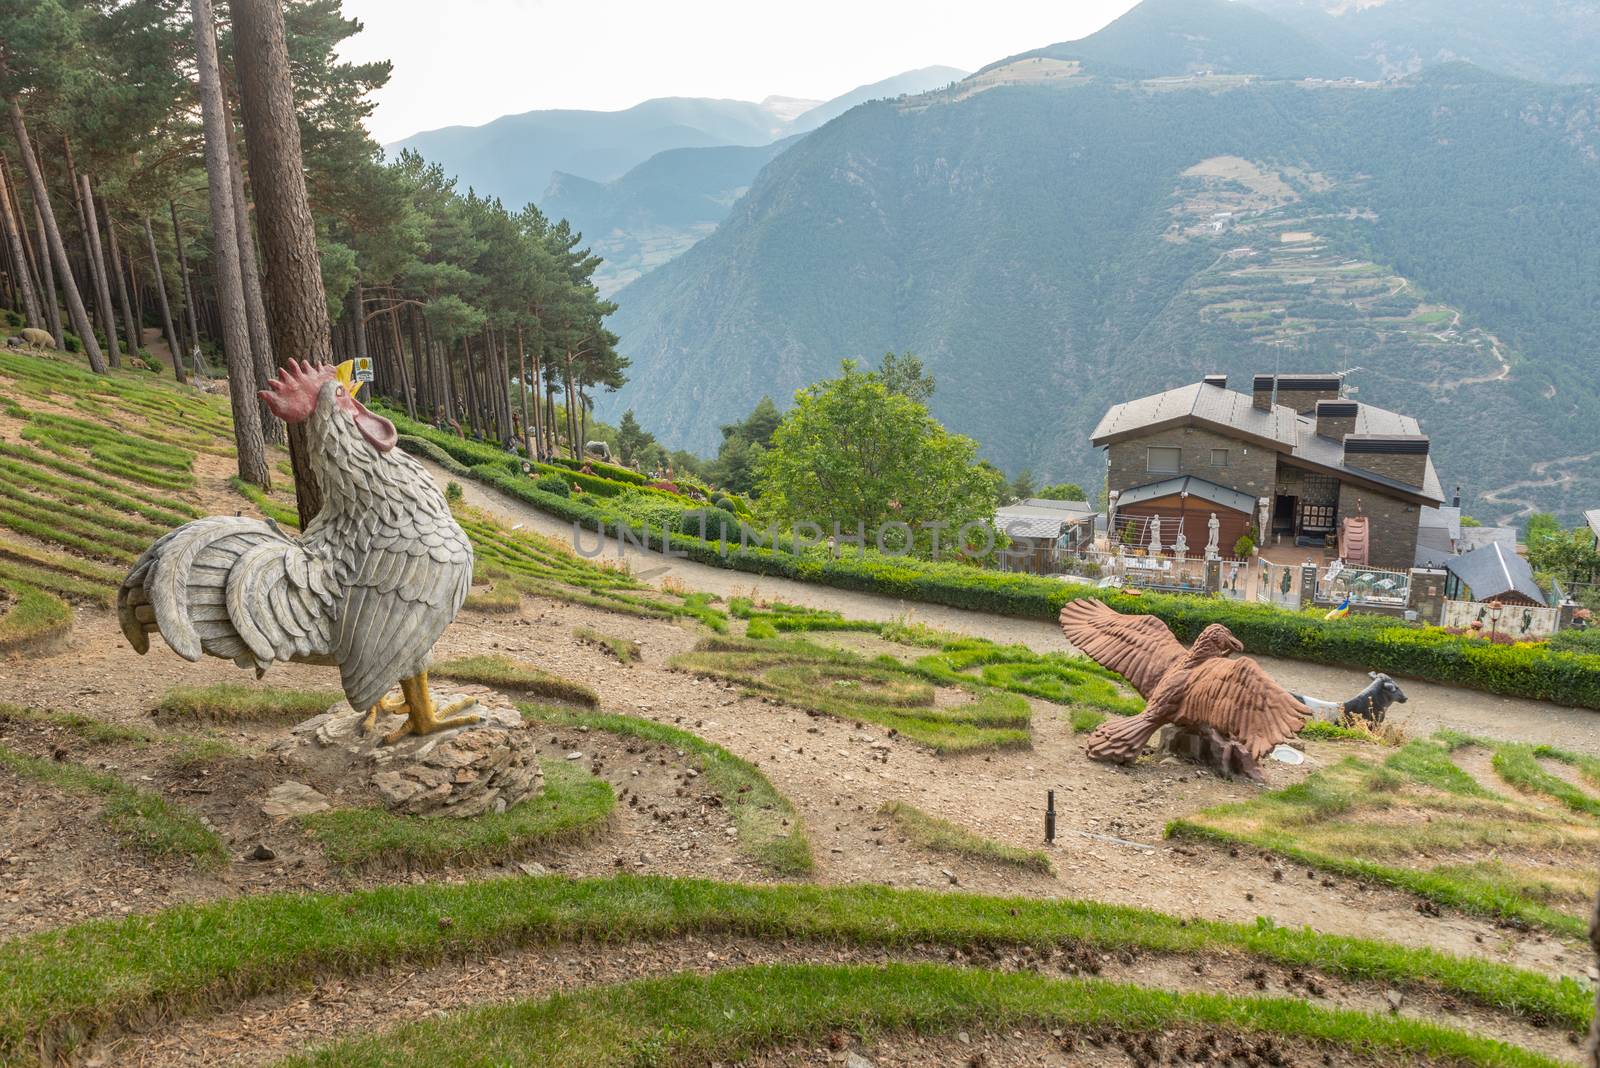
[{"x": 229, "y": 587}]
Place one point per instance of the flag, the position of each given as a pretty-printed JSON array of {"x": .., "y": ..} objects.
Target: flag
[{"x": 1340, "y": 610}]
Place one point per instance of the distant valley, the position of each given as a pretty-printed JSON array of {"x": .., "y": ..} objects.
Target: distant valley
[{"x": 645, "y": 183}]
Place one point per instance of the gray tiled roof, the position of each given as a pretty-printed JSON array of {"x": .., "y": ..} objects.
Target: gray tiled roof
[
  {"x": 1434, "y": 548},
  {"x": 1039, "y": 518},
  {"x": 1078, "y": 508},
  {"x": 1445, "y": 517},
  {"x": 1477, "y": 537},
  {"x": 1195, "y": 487},
  {"x": 1494, "y": 570},
  {"x": 1210, "y": 404},
  {"x": 1282, "y": 429},
  {"x": 1592, "y": 517}
]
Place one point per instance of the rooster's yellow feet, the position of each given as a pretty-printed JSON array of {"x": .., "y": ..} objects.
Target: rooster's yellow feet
[
  {"x": 422, "y": 717},
  {"x": 395, "y": 706}
]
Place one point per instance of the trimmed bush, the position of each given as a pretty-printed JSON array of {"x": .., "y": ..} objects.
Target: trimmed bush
[{"x": 553, "y": 484}]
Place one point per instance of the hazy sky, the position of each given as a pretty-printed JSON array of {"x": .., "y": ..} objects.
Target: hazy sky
[{"x": 465, "y": 62}]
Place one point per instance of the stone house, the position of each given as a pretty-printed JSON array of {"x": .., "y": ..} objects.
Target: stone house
[{"x": 1292, "y": 458}]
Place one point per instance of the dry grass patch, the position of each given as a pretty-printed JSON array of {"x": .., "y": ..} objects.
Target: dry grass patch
[
  {"x": 517, "y": 676},
  {"x": 942, "y": 836}
]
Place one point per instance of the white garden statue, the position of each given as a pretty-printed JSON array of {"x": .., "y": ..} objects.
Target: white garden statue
[{"x": 1214, "y": 534}]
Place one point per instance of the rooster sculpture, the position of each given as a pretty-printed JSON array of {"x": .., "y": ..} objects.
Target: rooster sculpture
[
  {"x": 1201, "y": 688},
  {"x": 376, "y": 577}
]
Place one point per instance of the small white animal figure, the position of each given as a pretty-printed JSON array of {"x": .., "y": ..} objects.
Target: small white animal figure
[{"x": 37, "y": 339}]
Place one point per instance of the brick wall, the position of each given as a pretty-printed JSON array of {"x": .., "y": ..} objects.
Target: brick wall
[
  {"x": 1251, "y": 468},
  {"x": 1392, "y": 525}
]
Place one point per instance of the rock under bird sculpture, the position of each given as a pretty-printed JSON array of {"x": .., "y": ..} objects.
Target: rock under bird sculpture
[
  {"x": 1233, "y": 704},
  {"x": 373, "y": 581}
]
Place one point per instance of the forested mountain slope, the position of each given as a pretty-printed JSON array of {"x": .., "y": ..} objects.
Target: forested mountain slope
[
  {"x": 1163, "y": 37},
  {"x": 1542, "y": 40},
  {"x": 1051, "y": 242}
]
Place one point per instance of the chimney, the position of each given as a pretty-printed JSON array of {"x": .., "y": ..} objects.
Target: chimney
[
  {"x": 1455, "y": 502},
  {"x": 1336, "y": 418},
  {"x": 1398, "y": 457},
  {"x": 1220, "y": 381},
  {"x": 1302, "y": 392},
  {"x": 1261, "y": 393}
]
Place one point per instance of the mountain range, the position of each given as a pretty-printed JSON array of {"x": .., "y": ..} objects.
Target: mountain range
[
  {"x": 645, "y": 183},
  {"x": 1202, "y": 186}
]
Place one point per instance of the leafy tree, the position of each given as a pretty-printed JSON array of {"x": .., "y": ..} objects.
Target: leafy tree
[
  {"x": 1022, "y": 486},
  {"x": 1468, "y": 521},
  {"x": 742, "y": 446},
  {"x": 905, "y": 375},
  {"x": 1568, "y": 555},
  {"x": 631, "y": 437},
  {"x": 854, "y": 453},
  {"x": 1063, "y": 491}
]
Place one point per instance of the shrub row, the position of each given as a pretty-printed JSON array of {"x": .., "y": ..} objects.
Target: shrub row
[{"x": 1370, "y": 643}]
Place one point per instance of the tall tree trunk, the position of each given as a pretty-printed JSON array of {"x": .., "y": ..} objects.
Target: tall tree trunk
[
  {"x": 19, "y": 255},
  {"x": 196, "y": 360},
  {"x": 97, "y": 269},
  {"x": 130, "y": 325},
  {"x": 175, "y": 342},
  {"x": 400, "y": 362},
  {"x": 52, "y": 304},
  {"x": 522, "y": 393},
  {"x": 242, "y": 385},
  {"x": 58, "y": 250},
  {"x": 424, "y": 393},
  {"x": 20, "y": 220},
  {"x": 473, "y": 407},
  {"x": 298, "y": 310},
  {"x": 255, "y": 308}
]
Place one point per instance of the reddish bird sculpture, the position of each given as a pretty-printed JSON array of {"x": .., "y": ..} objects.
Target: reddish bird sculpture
[{"x": 1200, "y": 688}]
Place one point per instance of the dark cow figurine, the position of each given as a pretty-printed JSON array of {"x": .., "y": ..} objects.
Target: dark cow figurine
[{"x": 1371, "y": 704}]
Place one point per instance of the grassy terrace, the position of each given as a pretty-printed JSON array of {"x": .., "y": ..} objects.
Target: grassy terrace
[
  {"x": 515, "y": 676},
  {"x": 941, "y": 836},
  {"x": 769, "y": 829},
  {"x": 228, "y": 702},
  {"x": 82, "y": 494},
  {"x": 885, "y": 692},
  {"x": 59, "y": 987},
  {"x": 141, "y": 818},
  {"x": 1420, "y": 821},
  {"x": 692, "y": 1019},
  {"x": 573, "y": 806}
]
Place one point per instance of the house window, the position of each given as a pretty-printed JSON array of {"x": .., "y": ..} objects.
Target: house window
[
  {"x": 1162, "y": 459},
  {"x": 1219, "y": 457}
]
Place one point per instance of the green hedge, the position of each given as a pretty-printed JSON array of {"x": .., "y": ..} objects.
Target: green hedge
[
  {"x": 1370, "y": 643},
  {"x": 600, "y": 467},
  {"x": 429, "y": 451}
]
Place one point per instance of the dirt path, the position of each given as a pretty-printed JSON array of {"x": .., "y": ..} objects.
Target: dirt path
[{"x": 1430, "y": 707}]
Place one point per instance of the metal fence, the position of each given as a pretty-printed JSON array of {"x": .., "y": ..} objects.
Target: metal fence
[{"x": 1363, "y": 585}]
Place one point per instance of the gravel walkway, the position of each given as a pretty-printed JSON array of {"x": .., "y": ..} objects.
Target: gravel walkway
[{"x": 1431, "y": 706}]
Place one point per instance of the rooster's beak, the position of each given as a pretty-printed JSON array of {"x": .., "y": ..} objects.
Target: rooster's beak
[{"x": 346, "y": 374}]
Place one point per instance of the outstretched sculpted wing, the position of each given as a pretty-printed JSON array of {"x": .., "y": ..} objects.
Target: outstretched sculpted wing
[
  {"x": 1139, "y": 648},
  {"x": 1240, "y": 700}
]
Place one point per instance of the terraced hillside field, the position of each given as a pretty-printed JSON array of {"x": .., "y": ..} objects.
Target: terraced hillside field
[{"x": 769, "y": 835}]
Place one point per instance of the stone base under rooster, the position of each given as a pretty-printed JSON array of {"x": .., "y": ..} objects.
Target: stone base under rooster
[
  {"x": 368, "y": 588},
  {"x": 487, "y": 767}
]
